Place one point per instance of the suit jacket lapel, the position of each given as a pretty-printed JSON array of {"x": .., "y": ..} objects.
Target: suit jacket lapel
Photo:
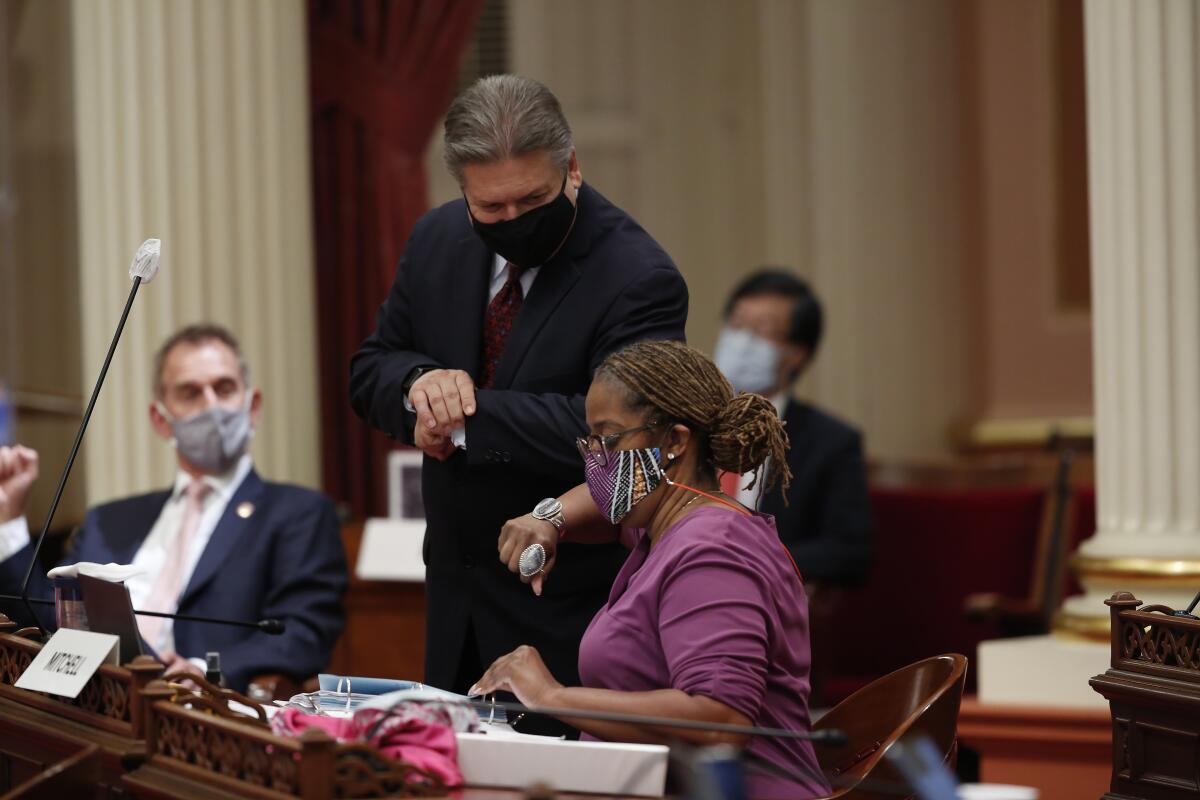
[
  {"x": 548, "y": 290},
  {"x": 467, "y": 295},
  {"x": 230, "y": 530},
  {"x": 126, "y": 539}
]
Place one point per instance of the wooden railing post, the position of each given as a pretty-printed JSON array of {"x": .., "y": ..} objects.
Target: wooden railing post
[
  {"x": 1120, "y": 601},
  {"x": 316, "y": 764},
  {"x": 144, "y": 670},
  {"x": 156, "y": 690}
]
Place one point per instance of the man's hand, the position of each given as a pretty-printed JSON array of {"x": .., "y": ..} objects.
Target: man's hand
[
  {"x": 434, "y": 445},
  {"x": 443, "y": 398},
  {"x": 179, "y": 669},
  {"x": 519, "y": 533},
  {"x": 18, "y": 471}
]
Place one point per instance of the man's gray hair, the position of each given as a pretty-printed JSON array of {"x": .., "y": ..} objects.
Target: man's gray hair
[{"x": 503, "y": 116}]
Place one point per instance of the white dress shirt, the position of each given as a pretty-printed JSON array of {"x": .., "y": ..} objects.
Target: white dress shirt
[
  {"x": 750, "y": 498},
  {"x": 14, "y": 535},
  {"x": 152, "y": 555}
]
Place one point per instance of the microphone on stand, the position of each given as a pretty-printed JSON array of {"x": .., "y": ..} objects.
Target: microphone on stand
[{"x": 143, "y": 269}]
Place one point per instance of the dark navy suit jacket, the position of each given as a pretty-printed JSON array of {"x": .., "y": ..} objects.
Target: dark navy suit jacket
[
  {"x": 285, "y": 560},
  {"x": 610, "y": 285},
  {"x": 827, "y": 522}
]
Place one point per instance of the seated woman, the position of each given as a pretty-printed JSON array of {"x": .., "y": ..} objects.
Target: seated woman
[{"x": 707, "y": 620}]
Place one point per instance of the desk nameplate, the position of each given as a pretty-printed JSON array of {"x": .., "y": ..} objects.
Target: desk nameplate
[{"x": 68, "y": 661}]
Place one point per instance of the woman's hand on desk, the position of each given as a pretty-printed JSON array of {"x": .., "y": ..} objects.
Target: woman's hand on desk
[
  {"x": 518, "y": 534},
  {"x": 521, "y": 672}
]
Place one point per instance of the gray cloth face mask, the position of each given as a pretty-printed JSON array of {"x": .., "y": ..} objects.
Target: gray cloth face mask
[
  {"x": 750, "y": 362},
  {"x": 213, "y": 439}
]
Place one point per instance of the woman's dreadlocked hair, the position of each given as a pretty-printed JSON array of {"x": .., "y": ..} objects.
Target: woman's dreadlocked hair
[{"x": 679, "y": 383}]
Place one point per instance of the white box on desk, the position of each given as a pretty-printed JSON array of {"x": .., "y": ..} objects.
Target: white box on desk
[{"x": 514, "y": 761}]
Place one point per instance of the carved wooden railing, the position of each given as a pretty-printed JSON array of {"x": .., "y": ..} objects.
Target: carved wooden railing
[
  {"x": 1152, "y": 640},
  {"x": 205, "y": 746},
  {"x": 112, "y": 700}
]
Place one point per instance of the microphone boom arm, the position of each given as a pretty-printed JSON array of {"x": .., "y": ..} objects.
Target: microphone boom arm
[
  {"x": 62, "y": 482},
  {"x": 269, "y": 625}
]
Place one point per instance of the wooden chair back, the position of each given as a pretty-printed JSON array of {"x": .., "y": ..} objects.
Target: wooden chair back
[{"x": 921, "y": 699}]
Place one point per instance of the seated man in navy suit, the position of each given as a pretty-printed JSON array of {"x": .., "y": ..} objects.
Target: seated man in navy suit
[
  {"x": 221, "y": 542},
  {"x": 773, "y": 325}
]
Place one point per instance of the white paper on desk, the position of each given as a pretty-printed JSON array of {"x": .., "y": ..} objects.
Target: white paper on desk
[
  {"x": 516, "y": 760},
  {"x": 68, "y": 661},
  {"x": 391, "y": 550}
]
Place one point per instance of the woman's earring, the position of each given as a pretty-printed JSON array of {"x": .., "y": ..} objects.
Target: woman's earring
[{"x": 670, "y": 456}]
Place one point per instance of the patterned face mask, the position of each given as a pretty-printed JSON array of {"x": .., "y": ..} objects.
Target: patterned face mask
[{"x": 622, "y": 483}]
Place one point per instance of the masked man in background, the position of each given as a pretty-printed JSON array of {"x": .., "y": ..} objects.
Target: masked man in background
[
  {"x": 221, "y": 542},
  {"x": 773, "y": 324}
]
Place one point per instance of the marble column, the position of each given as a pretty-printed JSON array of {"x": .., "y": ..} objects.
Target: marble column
[
  {"x": 1142, "y": 170},
  {"x": 192, "y": 125},
  {"x": 1143, "y": 134}
]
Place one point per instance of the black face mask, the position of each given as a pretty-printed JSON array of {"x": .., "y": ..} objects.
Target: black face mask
[{"x": 532, "y": 238}]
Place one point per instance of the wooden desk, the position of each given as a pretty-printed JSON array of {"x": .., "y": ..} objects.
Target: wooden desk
[
  {"x": 1153, "y": 690},
  {"x": 1066, "y": 754},
  {"x": 40, "y": 730},
  {"x": 205, "y": 757}
]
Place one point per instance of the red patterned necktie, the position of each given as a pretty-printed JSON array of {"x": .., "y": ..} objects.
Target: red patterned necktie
[{"x": 497, "y": 325}]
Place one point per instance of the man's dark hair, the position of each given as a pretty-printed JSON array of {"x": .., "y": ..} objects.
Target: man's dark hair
[
  {"x": 195, "y": 335},
  {"x": 808, "y": 321}
]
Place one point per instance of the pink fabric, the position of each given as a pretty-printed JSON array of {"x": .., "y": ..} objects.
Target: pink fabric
[
  {"x": 411, "y": 732},
  {"x": 164, "y": 595}
]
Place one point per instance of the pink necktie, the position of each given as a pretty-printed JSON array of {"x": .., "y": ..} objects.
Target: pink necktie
[{"x": 164, "y": 595}]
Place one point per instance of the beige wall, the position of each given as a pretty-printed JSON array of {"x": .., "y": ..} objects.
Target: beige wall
[
  {"x": 1034, "y": 355},
  {"x": 824, "y": 136},
  {"x": 899, "y": 154},
  {"x": 39, "y": 299},
  {"x": 130, "y": 119}
]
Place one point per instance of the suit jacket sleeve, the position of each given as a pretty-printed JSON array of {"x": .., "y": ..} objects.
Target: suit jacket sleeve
[
  {"x": 307, "y": 576},
  {"x": 12, "y": 573},
  {"x": 379, "y": 368},
  {"x": 537, "y": 431},
  {"x": 842, "y": 550}
]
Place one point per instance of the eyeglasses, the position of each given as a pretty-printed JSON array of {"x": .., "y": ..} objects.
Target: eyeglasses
[{"x": 601, "y": 447}]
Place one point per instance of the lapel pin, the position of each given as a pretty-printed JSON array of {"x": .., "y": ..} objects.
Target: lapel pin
[{"x": 245, "y": 509}]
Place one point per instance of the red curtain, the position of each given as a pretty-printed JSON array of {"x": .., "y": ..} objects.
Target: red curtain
[{"x": 381, "y": 74}]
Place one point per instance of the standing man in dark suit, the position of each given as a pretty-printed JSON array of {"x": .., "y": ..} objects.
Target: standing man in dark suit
[
  {"x": 220, "y": 543},
  {"x": 773, "y": 324},
  {"x": 504, "y": 303}
]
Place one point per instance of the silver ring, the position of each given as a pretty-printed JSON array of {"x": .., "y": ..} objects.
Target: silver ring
[{"x": 533, "y": 558}]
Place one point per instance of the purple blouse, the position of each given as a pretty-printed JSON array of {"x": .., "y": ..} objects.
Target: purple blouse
[{"x": 715, "y": 609}]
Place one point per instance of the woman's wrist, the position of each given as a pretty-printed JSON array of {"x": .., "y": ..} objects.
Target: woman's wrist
[
  {"x": 550, "y": 511},
  {"x": 552, "y": 697}
]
